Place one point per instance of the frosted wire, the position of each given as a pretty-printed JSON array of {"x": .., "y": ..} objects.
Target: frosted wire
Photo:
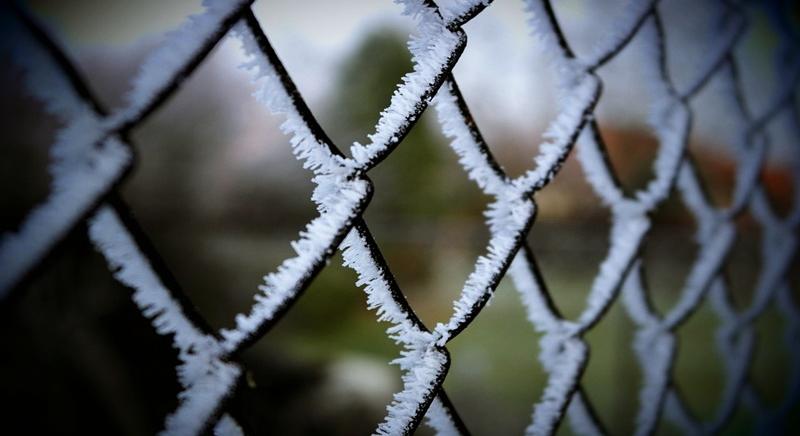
[{"x": 83, "y": 174}]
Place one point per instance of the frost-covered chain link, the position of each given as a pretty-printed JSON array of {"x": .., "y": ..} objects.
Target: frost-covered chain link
[
  {"x": 206, "y": 378},
  {"x": 80, "y": 177},
  {"x": 90, "y": 158},
  {"x": 655, "y": 339},
  {"x": 736, "y": 336},
  {"x": 655, "y": 342},
  {"x": 341, "y": 195}
]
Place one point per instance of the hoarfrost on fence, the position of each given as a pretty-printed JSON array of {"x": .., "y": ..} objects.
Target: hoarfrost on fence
[{"x": 91, "y": 154}]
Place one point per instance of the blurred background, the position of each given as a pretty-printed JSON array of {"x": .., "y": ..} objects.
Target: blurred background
[{"x": 221, "y": 196}]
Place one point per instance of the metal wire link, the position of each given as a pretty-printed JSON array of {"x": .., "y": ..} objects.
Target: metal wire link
[{"x": 93, "y": 148}]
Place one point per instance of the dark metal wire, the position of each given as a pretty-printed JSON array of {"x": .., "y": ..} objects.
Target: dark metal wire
[{"x": 357, "y": 224}]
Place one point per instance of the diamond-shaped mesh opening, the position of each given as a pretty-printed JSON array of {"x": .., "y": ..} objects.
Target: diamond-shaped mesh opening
[
  {"x": 780, "y": 171},
  {"x": 699, "y": 372},
  {"x": 777, "y": 181},
  {"x": 713, "y": 143},
  {"x": 331, "y": 347},
  {"x": 572, "y": 224},
  {"x": 512, "y": 113},
  {"x": 631, "y": 150},
  {"x": 717, "y": 171},
  {"x": 495, "y": 370},
  {"x": 687, "y": 37},
  {"x": 622, "y": 118},
  {"x": 218, "y": 190},
  {"x": 346, "y": 82},
  {"x": 309, "y": 332},
  {"x": 745, "y": 262},
  {"x": 758, "y": 46},
  {"x": 346, "y": 65},
  {"x": 429, "y": 245},
  {"x": 613, "y": 377},
  {"x": 673, "y": 231}
]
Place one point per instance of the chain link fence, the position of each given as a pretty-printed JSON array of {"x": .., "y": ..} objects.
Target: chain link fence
[{"x": 93, "y": 153}]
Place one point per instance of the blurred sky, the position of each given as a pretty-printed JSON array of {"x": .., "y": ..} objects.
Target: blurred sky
[{"x": 503, "y": 72}]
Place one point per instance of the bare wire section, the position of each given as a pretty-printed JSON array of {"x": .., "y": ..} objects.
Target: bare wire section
[{"x": 90, "y": 159}]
